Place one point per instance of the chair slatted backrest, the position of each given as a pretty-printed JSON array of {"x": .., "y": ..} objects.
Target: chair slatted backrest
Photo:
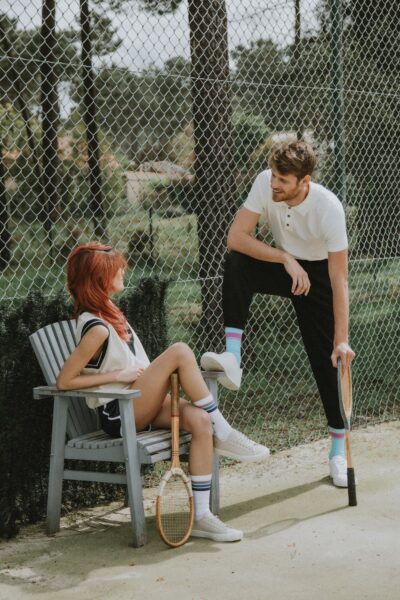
[{"x": 52, "y": 345}]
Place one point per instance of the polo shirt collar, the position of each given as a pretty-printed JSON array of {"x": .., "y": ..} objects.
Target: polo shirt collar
[{"x": 307, "y": 203}]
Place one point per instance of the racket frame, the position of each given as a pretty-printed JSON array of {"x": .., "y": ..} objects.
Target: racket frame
[
  {"x": 175, "y": 469},
  {"x": 342, "y": 374}
]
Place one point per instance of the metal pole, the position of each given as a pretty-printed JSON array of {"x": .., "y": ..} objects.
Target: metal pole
[
  {"x": 296, "y": 56},
  {"x": 338, "y": 100}
]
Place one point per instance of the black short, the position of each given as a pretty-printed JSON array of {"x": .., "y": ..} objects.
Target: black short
[{"x": 110, "y": 419}]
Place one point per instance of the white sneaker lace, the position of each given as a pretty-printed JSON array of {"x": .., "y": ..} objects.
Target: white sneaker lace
[
  {"x": 244, "y": 441},
  {"x": 216, "y": 522}
]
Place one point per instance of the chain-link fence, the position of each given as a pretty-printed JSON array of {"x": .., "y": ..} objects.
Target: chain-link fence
[{"x": 142, "y": 123}]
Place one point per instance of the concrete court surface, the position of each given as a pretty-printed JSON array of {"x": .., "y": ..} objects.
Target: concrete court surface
[{"x": 301, "y": 540}]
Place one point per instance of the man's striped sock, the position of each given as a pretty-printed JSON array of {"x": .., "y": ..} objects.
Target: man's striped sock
[
  {"x": 337, "y": 438},
  {"x": 233, "y": 341}
]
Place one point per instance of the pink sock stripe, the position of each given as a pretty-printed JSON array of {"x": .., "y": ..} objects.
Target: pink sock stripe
[
  {"x": 237, "y": 336},
  {"x": 337, "y": 436}
]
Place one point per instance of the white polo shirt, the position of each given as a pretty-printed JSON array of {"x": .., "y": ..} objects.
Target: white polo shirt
[{"x": 307, "y": 231}]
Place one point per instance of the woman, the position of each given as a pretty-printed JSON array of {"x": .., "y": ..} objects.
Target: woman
[{"x": 109, "y": 355}]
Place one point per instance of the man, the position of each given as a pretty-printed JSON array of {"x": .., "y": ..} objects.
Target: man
[{"x": 308, "y": 264}]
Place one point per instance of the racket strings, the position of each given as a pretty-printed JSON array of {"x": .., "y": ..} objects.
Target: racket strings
[{"x": 175, "y": 510}]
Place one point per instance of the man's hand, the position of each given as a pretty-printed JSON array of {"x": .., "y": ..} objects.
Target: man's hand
[
  {"x": 300, "y": 281},
  {"x": 344, "y": 352}
]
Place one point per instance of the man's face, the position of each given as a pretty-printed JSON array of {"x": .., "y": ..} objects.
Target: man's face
[{"x": 287, "y": 187}]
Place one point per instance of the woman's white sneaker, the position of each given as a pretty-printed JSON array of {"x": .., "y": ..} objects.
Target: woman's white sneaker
[
  {"x": 226, "y": 362},
  {"x": 240, "y": 447},
  {"x": 212, "y": 528}
]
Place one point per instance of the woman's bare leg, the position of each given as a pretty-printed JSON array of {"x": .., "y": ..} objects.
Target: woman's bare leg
[
  {"x": 154, "y": 405},
  {"x": 154, "y": 382},
  {"x": 197, "y": 422}
]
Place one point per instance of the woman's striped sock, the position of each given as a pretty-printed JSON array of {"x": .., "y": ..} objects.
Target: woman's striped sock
[
  {"x": 221, "y": 426},
  {"x": 201, "y": 486}
]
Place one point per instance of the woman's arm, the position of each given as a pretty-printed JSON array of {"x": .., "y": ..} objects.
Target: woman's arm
[{"x": 70, "y": 377}]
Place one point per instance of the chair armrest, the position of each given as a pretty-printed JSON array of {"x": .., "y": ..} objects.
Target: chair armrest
[
  {"x": 49, "y": 391},
  {"x": 211, "y": 374}
]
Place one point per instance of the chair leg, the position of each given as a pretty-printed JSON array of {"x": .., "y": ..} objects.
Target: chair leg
[
  {"x": 56, "y": 470},
  {"x": 214, "y": 496},
  {"x": 133, "y": 478}
]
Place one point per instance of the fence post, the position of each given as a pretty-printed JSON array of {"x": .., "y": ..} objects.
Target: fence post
[{"x": 338, "y": 100}]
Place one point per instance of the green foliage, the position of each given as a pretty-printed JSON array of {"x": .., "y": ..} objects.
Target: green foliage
[
  {"x": 23, "y": 71},
  {"x": 142, "y": 112},
  {"x": 103, "y": 35},
  {"x": 25, "y": 429},
  {"x": 158, "y": 7},
  {"x": 250, "y": 132}
]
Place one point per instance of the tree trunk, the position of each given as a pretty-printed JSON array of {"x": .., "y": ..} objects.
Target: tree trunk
[
  {"x": 22, "y": 105},
  {"x": 50, "y": 121},
  {"x": 5, "y": 235},
  {"x": 96, "y": 204},
  {"x": 298, "y": 116},
  {"x": 214, "y": 154}
]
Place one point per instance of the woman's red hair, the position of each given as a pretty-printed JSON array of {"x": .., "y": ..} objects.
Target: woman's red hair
[{"x": 90, "y": 271}]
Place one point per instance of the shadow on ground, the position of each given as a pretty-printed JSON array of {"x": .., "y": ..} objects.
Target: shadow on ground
[{"x": 103, "y": 543}]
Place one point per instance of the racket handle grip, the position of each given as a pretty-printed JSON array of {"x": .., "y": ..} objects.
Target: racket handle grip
[{"x": 351, "y": 485}]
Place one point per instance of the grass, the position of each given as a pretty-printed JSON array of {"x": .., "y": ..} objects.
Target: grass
[{"x": 279, "y": 403}]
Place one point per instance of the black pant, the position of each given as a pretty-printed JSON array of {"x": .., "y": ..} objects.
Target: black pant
[{"x": 245, "y": 276}]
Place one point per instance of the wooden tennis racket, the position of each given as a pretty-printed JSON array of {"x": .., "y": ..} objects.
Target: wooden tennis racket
[
  {"x": 346, "y": 406},
  {"x": 174, "y": 506}
]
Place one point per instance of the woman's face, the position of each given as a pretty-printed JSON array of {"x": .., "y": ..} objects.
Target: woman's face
[{"x": 117, "y": 283}]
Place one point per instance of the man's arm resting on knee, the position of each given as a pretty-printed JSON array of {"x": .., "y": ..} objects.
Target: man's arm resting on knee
[
  {"x": 241, "y": 240},
  {"x": 338, "y": 274}
]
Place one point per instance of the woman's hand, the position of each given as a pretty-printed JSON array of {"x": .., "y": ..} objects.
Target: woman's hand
[{"x": 130, "y": 374}]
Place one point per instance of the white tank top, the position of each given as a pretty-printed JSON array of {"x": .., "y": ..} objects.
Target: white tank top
[{"x": 115, "y": 355}]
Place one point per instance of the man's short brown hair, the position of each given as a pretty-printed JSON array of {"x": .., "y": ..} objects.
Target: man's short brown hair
[{"x": 296, "y": 157}]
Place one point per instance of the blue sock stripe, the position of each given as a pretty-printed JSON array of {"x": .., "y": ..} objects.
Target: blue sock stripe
[
  {"x": 233, "y": 342},
  {"x": 197, "y": 486},
  {"x": 210, "y": 407},
  {"x": 337, "y": 442}
]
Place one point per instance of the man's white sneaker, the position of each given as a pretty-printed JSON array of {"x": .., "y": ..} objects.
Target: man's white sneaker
[
  {"x": 212, "y": 528},
  {"x": 338, "y": 470},
  {"x": 240, "y": 447},
  {"x": 226, "y": 362}
]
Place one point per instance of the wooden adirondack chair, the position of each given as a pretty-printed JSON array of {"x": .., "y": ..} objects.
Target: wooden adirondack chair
[{"x": 76, "y": 434}]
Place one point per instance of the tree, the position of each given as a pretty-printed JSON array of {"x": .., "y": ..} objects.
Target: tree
[
  {"x": 50, "y": 120},
  {"x": 143, "y": 112},
  {"x": 371, "y": 75},
  {"x": 5, "y": 235},
  {"x": 214, "y": 166},
  {"x": 21, "y": 85},
  {"x": 96, "y": 204},
  {"x": 7, "y": 33},
  {"x": 213, "y": 145}
]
